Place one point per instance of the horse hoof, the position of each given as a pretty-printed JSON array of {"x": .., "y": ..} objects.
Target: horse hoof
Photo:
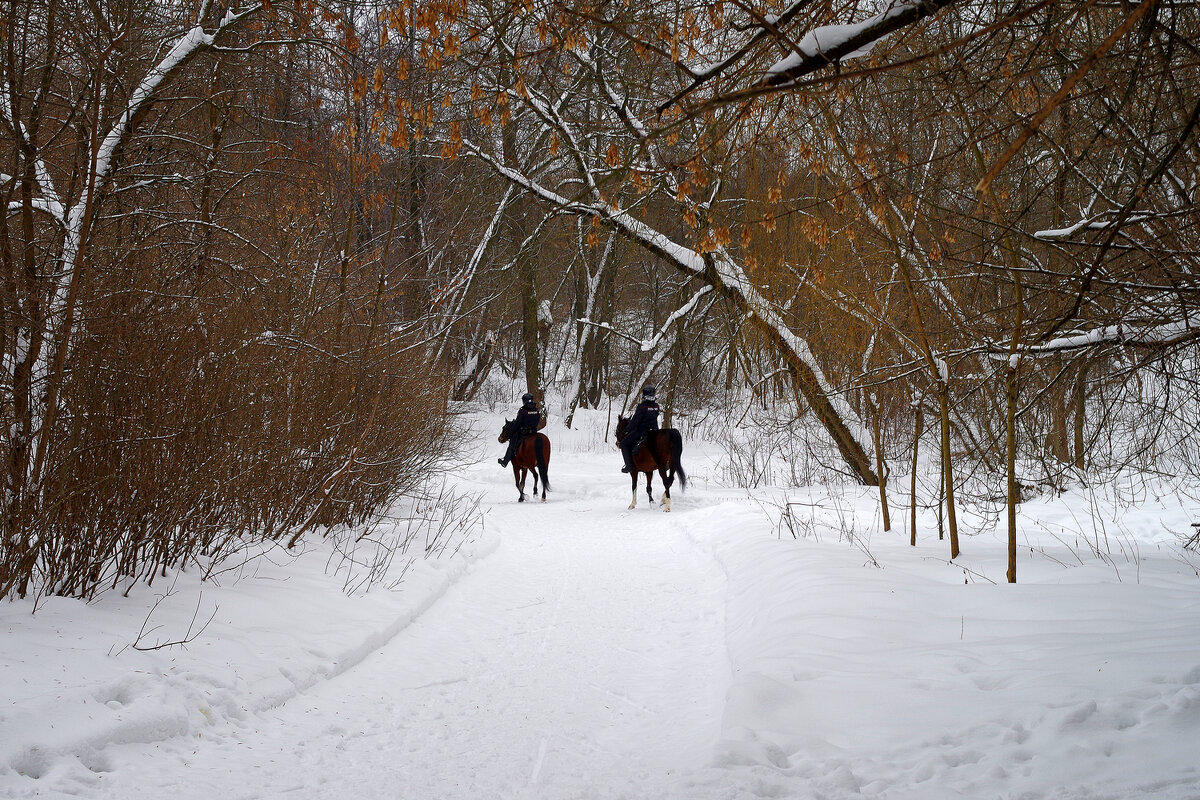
[{"x": 632, "y": 506}]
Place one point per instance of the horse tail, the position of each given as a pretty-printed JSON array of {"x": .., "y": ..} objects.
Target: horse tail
[
  {"x": 539, "y": 445},
  {"x": 676, "y": 452}
]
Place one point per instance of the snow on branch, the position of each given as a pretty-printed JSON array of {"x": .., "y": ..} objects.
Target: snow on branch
[
  {"x": 1093, "y": 224},
  {"x": 606, "y": 326},
  {"x": 768, "y": 28},
  {"x": 647, "y": 345},
  {"x": 455, "y": 291},
  {"x": 42, "y": 204},
  {"x": 551, "y": 117},
  {"x": 1158, "y": 335},
  {"x": 829, "y": 43},
  {"x": 676, "y": 315},
  {"x": 620, "y": 106},
  {"x": 49, "y": 202},
  {"x": 620, "y": 103},
  {"x": 75, "y": 220},
  {"x": 192, "y": 42}
]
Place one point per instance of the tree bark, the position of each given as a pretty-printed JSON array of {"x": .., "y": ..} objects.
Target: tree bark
[
  {"x": 1079, "y": 404},
  {"x": 918, "y": 429},
  {"x": 948, "y": 467},
  {"x": 880, "y": 468},
  {"x": 1014, "y": 490}
]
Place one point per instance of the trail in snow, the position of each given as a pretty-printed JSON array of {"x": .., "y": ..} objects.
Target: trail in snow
[
  {"x": 584, "y": 658},
  {"x": 598, "y": 653}
]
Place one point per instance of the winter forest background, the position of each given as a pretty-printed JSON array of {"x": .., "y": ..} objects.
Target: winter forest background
[{"x": 256, "y": 254}]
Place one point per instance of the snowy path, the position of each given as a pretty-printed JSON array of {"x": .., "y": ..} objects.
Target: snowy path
[
  {"x": 596, "y": 653},
  {"x": 584, "y": 658}
]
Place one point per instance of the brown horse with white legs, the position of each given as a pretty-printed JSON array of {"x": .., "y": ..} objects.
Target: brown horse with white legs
[
  {"x": 533, "y": 455},
  {"x": 660, "y": 450}
]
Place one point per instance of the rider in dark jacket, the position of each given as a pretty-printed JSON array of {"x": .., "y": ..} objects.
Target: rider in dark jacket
[
  {"x": 644, "y": 420},
  {"x": 529, "y": 416}
]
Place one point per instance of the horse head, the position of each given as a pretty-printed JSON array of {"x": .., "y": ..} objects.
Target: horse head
[
  {"x": 505, "y": 431},
  {"x": 622, "y": 424}
]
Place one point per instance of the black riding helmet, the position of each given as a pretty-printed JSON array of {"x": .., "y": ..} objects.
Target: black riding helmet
[
  {"x": 527, "y": 398},
  {"x": 648, "y": 392}
]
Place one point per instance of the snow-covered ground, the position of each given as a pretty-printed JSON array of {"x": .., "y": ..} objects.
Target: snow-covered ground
[{"x": 578, "y": 649}]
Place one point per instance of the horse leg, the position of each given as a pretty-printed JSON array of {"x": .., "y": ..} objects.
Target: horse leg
[
  {"x": 649, "y": 486},
  {"x": 541, "y": 458},
  {"x": 633, "y": 477},
  {"x": 519, "y": 480},
  {"x": 667, "y": 478}
]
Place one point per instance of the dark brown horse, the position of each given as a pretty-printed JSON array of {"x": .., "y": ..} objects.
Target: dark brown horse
[
  {"x": 533, "y": 455},
  {"x": 660, "y": 450}
]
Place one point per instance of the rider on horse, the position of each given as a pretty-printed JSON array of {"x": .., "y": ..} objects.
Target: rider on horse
[
  {"x": 529, "y": 417},
  {"x": 644, "y": 420}
]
